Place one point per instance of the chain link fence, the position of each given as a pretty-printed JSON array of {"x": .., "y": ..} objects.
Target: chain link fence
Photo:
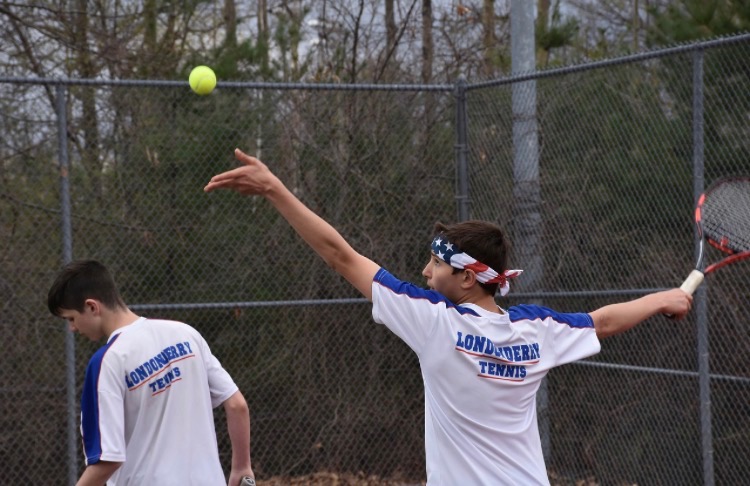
[{"x": 598, "y": 196}]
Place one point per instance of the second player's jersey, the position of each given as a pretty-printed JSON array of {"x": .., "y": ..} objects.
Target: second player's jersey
[
  {"x": 481, "y": 372},
  {"x": 148, "y": 402}
]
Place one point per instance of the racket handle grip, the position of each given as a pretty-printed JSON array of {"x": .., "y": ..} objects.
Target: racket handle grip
[
  {"x": 692, "y": 282},
  {"x": 247, "y": 481}
]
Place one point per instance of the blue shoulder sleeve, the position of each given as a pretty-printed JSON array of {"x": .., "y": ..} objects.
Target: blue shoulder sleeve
[
  {"x": 534, "y": 312},
  {"x": 90, "y": 431}
]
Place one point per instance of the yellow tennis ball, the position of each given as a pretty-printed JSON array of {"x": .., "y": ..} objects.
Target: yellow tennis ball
[{"x": 202, "y": 80}]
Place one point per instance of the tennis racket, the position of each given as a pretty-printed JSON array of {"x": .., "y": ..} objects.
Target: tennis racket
[
  {"x": 247, "y": 481},
  {"x": 722, "y": 218}
]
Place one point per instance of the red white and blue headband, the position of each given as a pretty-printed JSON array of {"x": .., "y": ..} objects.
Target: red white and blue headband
[{"x": 453, "y": 256}]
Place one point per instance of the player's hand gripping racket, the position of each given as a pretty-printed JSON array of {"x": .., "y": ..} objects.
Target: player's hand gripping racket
[{"x": 722, "y": 217}]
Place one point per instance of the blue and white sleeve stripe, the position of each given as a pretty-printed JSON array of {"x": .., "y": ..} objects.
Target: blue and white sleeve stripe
[{"x": 90, "y": 425}]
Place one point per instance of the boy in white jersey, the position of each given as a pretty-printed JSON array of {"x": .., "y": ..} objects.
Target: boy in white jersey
[
  {"x": 149, "y": 393},
  {"x": 481, "y": 365}
]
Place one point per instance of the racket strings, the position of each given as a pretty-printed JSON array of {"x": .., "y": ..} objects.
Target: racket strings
[{"x": 725, "y": 215}]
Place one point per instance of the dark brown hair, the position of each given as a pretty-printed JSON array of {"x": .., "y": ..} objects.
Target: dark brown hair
[
  {"x": 81, "y": 280},
  {"x": 483, "y": 241}
]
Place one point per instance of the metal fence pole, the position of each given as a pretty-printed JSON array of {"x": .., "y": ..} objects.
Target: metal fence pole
[
  {"x": 701, "y": 304},
  {"x": 527, "y": 199},
  {"x": 67, "y": 256},
  {"x": 462, "y": 148}
]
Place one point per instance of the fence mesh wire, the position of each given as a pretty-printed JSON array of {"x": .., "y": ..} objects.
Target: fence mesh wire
[{"x": 329, "y": 390}]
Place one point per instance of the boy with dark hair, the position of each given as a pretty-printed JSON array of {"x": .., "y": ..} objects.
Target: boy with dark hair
[
  {"x": 481, "y": 365},
  {"x": 149, "y": 393}
]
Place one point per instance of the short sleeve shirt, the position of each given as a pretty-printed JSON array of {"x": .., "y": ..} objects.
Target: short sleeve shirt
[
  {"x": 481, "y": 372},
  {"x": 148, "y": 400}
]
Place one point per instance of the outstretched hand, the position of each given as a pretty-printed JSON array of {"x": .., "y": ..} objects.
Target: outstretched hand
[
  {"x": 617, "y": 318},
  {"x": 252, "y": 178},
  {"x": 677, "y": 303}
]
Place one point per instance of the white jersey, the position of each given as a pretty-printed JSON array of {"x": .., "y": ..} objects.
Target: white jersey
[
  {"x": 148, "y": 402},
  {"x": 481, "y": 372}
]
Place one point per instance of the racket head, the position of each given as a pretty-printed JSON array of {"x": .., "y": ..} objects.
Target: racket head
[{"x": 722, "y": 216}]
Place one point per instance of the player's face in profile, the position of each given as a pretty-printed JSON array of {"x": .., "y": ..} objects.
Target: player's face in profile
[
  {"x": 440, "y": 276},
  {"x": 84, "y": 323}
]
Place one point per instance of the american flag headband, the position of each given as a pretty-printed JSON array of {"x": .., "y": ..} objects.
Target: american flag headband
[{"x": 453, "y": 256}]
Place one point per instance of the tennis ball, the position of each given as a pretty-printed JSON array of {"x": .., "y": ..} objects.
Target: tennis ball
[{"x": 202, "y": 80}]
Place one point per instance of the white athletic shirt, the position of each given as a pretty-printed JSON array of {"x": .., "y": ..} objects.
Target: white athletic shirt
[
  {"x": 148, "y": 400},
  {"x": 481, "y": 371}
]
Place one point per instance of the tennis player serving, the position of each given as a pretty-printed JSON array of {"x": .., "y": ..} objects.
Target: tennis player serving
[{"x": 481, "y": 364}]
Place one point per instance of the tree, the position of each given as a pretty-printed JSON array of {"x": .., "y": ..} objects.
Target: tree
[
  {"x": 553, "y": 32},
  {"x": 489, "y": 44},
  {"x": 427, "y": 47},
  {"x": 688, "y": 20}
]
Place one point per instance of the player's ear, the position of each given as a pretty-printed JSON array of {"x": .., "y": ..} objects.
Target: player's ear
[
  {"x": 93, "y": 306},
  {"x": 468, "y": 279}
]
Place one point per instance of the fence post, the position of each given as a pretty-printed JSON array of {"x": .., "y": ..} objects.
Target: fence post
[
  {"x": 527, "y": 198},
  {"x": 67, "y": 256},
  {"x": 701, "y": 304},
  {"x": 462, "y": 148}
]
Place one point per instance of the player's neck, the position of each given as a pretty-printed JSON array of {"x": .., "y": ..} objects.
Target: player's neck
[
  {"x": 119, "y": 318},
  {"x": 488, "y": 303},
  {"x": 485, "y": 301}
]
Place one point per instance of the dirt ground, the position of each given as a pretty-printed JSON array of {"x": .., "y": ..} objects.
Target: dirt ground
[
  {"x": 361, "y": 479},
  {"x": 336, "y": 479}
]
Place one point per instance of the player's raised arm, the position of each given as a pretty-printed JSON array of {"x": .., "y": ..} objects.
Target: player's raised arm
[
  {"x": 618, "y": 318},
  {"x": 254, "y": 178}
]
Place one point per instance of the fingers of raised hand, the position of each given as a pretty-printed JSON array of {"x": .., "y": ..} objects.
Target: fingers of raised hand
[{"x": 245, "y": 158}]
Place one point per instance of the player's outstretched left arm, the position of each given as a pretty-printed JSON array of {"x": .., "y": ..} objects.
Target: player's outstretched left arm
[
  {"x": 254, "y": 178},
  {"x": 618, "y": 318}
]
